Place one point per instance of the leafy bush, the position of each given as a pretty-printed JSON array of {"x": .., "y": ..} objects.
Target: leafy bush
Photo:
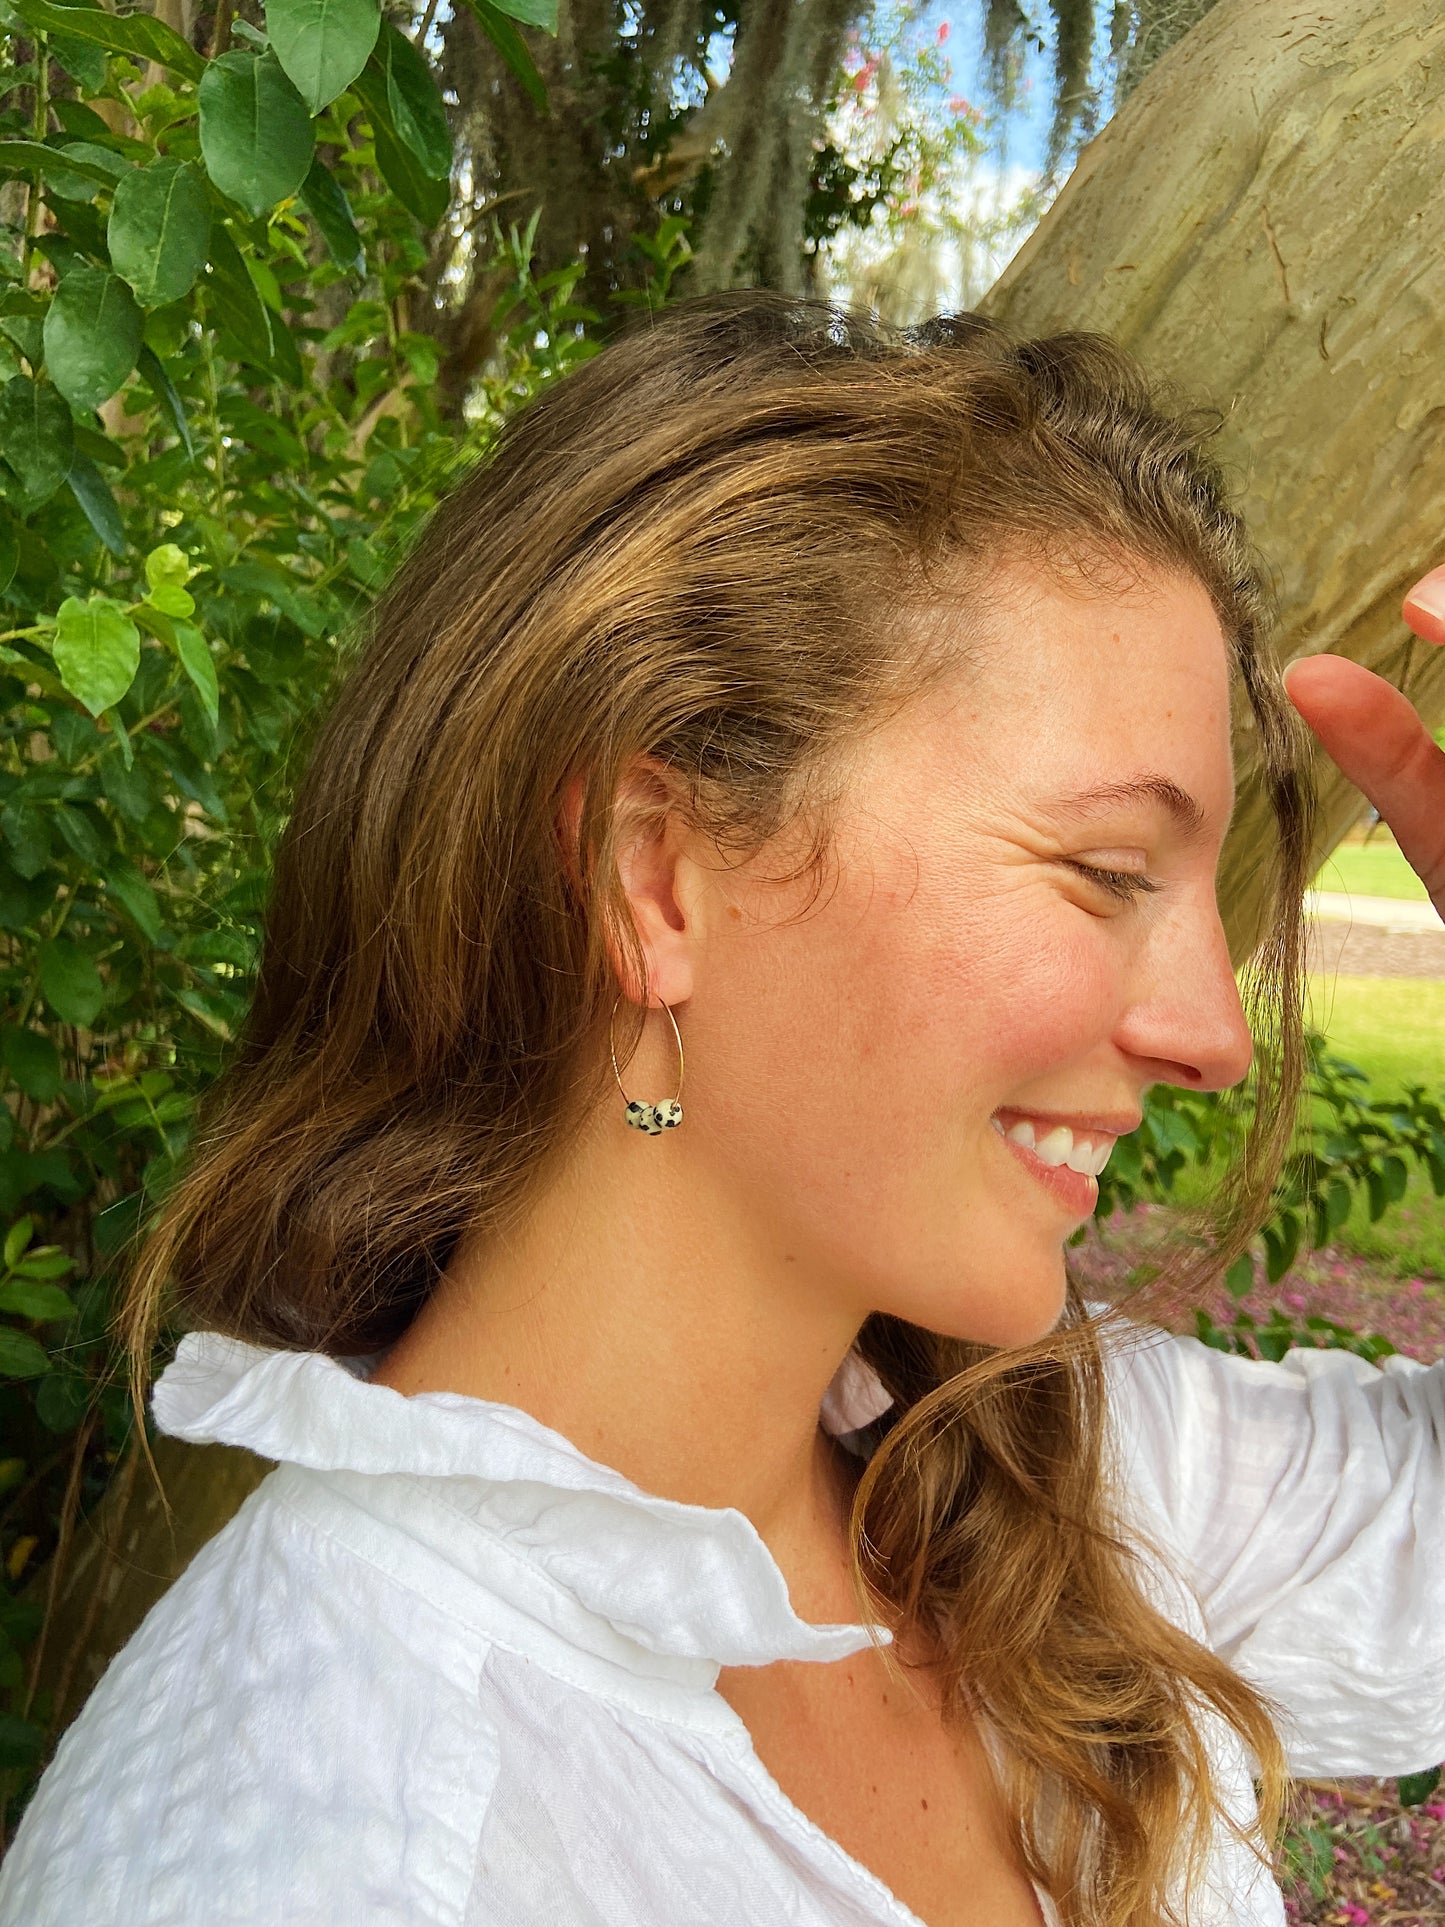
[
  {"x": 219, "y": 429},
  {"x": 1353, "y": 1144}
]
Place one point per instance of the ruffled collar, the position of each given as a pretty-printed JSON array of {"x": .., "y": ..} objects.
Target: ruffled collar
[{"x": 685, "y": 1581}]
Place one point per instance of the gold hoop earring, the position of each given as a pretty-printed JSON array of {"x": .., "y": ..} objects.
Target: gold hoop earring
[{"x": 651, "y": 1118}]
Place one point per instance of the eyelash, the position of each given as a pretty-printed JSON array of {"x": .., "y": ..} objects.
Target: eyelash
[{"x": 1126, "y": 885}]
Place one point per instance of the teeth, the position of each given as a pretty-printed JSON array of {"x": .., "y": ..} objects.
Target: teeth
[
  {"x": 1101, "y": 1154},
  {"x": 1057, "y": 1148},
  {"x": 1058, "y": 1145}
]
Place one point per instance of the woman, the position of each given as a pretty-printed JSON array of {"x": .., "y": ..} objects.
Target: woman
[{"x": 723, "y": 1510}]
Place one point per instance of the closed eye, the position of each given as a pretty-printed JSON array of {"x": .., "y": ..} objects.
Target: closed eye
[{"x": 1125, "y": 885}]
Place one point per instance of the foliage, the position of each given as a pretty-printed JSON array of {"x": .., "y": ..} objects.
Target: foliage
[
  {"x": 218, "y": 432},
  {"x": 1353, "y": 1144}
]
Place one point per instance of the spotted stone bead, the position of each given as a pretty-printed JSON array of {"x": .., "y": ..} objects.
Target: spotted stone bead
[{"x": 654, "y": 1118}]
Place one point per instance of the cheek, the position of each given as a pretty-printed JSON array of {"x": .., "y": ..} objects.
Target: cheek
[{"x": 1022, "y": 984}]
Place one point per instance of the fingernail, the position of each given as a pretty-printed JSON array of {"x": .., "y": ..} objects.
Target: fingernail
[{"x": 1428, "y": 595}]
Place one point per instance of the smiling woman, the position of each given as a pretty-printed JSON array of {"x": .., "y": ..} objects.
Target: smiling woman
[{"x": 859, "y": 703}]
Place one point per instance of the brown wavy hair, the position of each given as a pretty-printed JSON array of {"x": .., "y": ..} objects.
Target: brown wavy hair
[{"x": 698, "y": 546}]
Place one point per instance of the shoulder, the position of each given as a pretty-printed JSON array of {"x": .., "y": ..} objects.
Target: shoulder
[{"x": 287, "y": 1730}]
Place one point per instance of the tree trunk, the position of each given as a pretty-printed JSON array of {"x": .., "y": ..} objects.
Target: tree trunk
[{"x": 1262, "y": 226}]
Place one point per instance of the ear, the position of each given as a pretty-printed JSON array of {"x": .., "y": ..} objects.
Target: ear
[{"x": 661, "y": 879}]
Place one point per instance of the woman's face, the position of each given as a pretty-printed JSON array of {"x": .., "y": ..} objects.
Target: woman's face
[{"x": 912, "y": 1084}]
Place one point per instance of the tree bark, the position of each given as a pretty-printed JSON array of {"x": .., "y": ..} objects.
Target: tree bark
[{"x": 1262, "y": 226}]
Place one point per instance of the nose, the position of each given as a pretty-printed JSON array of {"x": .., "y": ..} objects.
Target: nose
[{"x": 1185, "y": 1020}]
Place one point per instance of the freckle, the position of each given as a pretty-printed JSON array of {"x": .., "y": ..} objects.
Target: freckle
[
  {"x": 734, "y": 912},
  {"x": 924, "y": 1805}
]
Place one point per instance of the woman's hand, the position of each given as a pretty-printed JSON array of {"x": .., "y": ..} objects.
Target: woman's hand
[{"x": 1375, "y": 736}]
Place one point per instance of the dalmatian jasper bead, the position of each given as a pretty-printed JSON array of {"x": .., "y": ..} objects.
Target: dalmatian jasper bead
[
  {"x": 642, "y": 1117},
  {"x": 669, "y": 1114}
]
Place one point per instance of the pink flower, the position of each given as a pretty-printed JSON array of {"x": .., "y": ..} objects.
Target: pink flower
[
  {"x": 958, "y": 105},
  {"x": 942, "y": 32},
  {"x": 1354, "y": 1916}
]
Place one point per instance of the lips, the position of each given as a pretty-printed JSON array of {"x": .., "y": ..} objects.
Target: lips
[
  {"x": 1056, "y": 1144},
  {"x": 1064, "y": 1155}
]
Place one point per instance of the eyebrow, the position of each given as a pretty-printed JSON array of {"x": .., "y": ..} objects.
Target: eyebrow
[{"x": 1186, "y": 813}]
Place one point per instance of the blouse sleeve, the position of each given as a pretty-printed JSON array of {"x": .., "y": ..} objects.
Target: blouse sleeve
[{"x": 1303, "y": 1503}]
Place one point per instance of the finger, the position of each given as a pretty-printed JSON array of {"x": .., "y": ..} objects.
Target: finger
[
  {"x": 1424, "y": 606},
  {"x": 1375, "y": 736}
]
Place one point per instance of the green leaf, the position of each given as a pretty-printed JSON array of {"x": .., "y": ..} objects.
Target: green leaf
[
  {"x": 9, "y": 554},
  {"x": 92, "y": 336},
  {"x": 1414, "y": 1789},
  {"x": 92, "y": 491},
  {"x": 1281, "y": 1242},
  {"x": 32, "y": 1298},
  {"x": 152, "y": 369},
  {"x": 71, "y": 982},
  {"x": 200, "y": 666},
  {"x": 417, "y": 113},
  {"x": 291, "y": 597},
  {"x": 47, "y": 1262},
  {"x": 324, "y": 201},
  {"x": 168, "y": 566},
  {"x": 81, "y": 59},
  {"x": 1239, "y": 1279},
  {"x": 81, "y": 834},
  {"x": 1338, "y": 1202},
  {"x": 532, "y": 13},
  {"x": 1379, "y": 1197},
  {"x": 136, "y": 897},
  {"x": 28, "y": 834},
  {"x": 37, "y": 436},
  {"x": 72, "y": 177},
  {"x": 160, "y": 222},
  {"x": 322, "y": 44},
  {"x": 418, "y": 193},
  {"x": 513, "y": 49},
  {"x": 20, "y": 1357},
  {"x": 96, "y": 649},
  {"x": 171, "y": 601},
  {"x": 256, "y": 135},
  {"x": 133, "y": 33},
  {"x": 62, "y": 1400},
  {"x": 233, "y": 301},
  {"x": 16, "y": 1239}
]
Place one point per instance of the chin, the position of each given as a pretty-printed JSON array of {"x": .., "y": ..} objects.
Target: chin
[{"x": 983, "y": 1315}]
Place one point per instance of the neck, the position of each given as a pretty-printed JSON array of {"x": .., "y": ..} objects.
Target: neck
[{"x": 640, "y": 1315}]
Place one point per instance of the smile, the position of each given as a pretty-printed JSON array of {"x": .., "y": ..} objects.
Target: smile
[
  {"x": 1056, "y": 1145},
  {"x": 1065, "y": 1159}
]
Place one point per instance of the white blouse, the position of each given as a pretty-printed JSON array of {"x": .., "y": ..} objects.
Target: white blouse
[{"x": 442, "y": 1670}]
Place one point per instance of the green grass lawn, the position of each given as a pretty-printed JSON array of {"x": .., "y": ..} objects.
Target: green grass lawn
[
  {"x": 1393, "y": 1028},
  {"x": 1373, "y": 869}
]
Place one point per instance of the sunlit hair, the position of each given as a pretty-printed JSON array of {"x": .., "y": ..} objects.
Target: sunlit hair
[{"x": 708, "y": 544}]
